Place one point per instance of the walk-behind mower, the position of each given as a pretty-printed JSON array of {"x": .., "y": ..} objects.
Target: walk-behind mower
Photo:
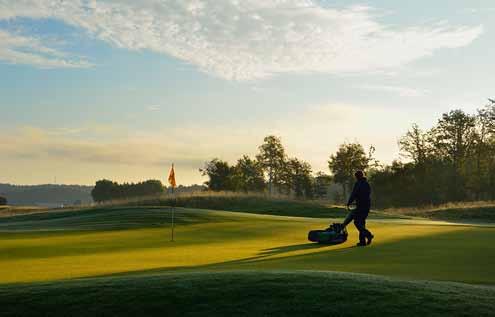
[{"x": 335, "y": 234}]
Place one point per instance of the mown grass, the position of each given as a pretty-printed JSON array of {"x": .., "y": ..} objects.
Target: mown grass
[
  {"x": 64, "y": 245},
  {"x": 247, "y": 294},
  {"x": 120, "y": 261}
]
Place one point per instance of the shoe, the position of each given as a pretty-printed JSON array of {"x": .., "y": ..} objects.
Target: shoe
[
  {"x": 361, "y": 244},
  {"x": 370, "y": 239}
]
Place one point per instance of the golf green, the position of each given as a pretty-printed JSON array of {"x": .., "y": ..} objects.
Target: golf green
[{"x": 125, "y": 241}]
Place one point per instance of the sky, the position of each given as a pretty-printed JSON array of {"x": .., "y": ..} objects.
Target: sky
[{"x": 123, "y": 89}]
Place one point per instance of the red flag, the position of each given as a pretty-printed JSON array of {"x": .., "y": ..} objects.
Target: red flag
[{"x": 171, "y": 177}]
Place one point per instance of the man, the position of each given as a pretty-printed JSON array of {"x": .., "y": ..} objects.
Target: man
[{"x": 361, "y": 195}]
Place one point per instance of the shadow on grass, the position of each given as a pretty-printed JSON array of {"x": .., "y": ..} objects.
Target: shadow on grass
[
  {"x": 263, "y": 255},
  {"x": 463, "y": 256},
  {"x": 267, "y": 253}
]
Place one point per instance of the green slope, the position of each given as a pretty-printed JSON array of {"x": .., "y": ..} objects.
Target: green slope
[
  {"x": 247, "y": 294},
  {"x": 257, "y": 204}
]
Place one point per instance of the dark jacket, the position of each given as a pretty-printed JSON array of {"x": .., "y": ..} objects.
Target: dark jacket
[{"x": 361, "y": 194}]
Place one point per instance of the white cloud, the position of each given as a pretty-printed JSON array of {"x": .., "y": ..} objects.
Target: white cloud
[
  {"x": 250, "y": 39},
  {"x": 399, "y": 90},
  {"x": 18, "y": 49}
]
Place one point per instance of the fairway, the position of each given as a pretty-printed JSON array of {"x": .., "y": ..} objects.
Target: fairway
[{"x": 124, "y": 241}]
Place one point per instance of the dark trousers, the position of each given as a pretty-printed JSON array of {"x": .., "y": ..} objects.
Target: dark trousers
[{"x": 360, "y": 223}]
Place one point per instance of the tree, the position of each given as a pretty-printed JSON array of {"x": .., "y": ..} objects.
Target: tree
[
  {"x": 148, "y": 188},
  {"x": 272, "y": 159},
  {"x": 104, "y": 190},
  {"x": 349, "y": 158},
  {"x": 299, "y": 178},
  {"x": 453, "y": 139},
  {"x": 3, "y": 201},
  {"x": 454, "y": 161},
  {"x": 484, "y": 152},
  {"x": 322, "y": 183},
  {"x": 416, "y": 145},
  {"x": 220, "y": 175},
  {"x": 248, "y": 175},
  {"x": 453, "y": 135}
]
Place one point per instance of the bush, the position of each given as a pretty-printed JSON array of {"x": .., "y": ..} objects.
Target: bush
[{"x": 3, "y": 201}]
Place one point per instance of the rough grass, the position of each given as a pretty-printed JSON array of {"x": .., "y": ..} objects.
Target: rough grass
[
  {"x": 469, "y": 212},
  {"x": 250, "y": 203},
  {"x": 247, "y": 294},
  {"x": 7, "y": 211},
  {"x": 64, "y": 245}
]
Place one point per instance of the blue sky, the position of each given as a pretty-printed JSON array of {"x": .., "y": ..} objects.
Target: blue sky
[{"x": 121, "y": 89}]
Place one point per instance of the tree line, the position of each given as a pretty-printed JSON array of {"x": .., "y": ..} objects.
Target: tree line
[
  {"x": 272, "y": 170},
  {"x": 452, "y": 161},
  {"x": 106, "y": 190},
  {"x": 47, "y": 194}
]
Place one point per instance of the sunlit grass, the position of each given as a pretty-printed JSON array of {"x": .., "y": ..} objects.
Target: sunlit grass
[{"x": 127, "y": 240}]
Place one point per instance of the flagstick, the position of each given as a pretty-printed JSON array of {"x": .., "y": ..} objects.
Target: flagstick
[
  {"x": 173, "y": 214},
  {"x": 171, "y": 180}
]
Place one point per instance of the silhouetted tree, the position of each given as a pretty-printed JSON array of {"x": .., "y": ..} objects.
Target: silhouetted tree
[
  {"x": 219, "y": 175},
  {"x": 349, "y": 158},
  {"x": 45, "y": 194},
  {"x": 3, "y": 201},
  {"x": 299, "y": 179},
  {"x": 416, "y": 145},
  {"x": 322, "y": 183},
  {"x": 104, "y": 190},
  {"x": 453, "y": 138},
  {"x": 248, "y": 175},
  {"x": 454, "y": 161},
  {"x": 272, "y": 158}
]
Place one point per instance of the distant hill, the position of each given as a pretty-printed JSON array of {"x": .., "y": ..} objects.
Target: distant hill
[{"x": 46, "y": 195}]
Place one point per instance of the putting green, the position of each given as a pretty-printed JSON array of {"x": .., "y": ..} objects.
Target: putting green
[{"x": 89, "y": 243}]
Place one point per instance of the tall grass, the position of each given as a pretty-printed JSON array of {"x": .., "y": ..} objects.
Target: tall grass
[
  {"x": 447, "y": 206},
  {"x": 242, "y": 202},
  {"x": 7, "y": 211},
  {"x": 476, "y": 211}
]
